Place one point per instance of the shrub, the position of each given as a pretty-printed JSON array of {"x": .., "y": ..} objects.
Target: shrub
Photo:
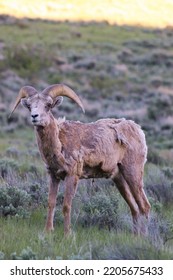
[
  {"x": 2, "y": 255},
  {"x": 38, "y": 193},
  {"x": 162, "y": 103},
  {"x": 156, "y": 205},
  {"x": 154, "y": 157},
  {"x": 27, "y": 60},
  {"x": 26, "y": 254},
  {"x": 168, "y": 171},
  {"x": 136, "y": 251},
  {"x": 160, "y": 229},
  {"x": 158, "y": 186},
  {"x": 6, "y": 164},
  {"x": 100, "y": 210},
  {"x": 14, "y": 202}
]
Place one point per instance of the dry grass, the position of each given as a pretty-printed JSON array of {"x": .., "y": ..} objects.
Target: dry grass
[{"x": 149, "y": 13}]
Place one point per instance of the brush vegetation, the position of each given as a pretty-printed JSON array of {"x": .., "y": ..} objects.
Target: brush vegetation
[{"x": 118, "y": 72}]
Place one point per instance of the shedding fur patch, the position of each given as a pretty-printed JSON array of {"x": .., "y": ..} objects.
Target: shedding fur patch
[
  {"x": 119, "y": 137},
  {"x": 60, "y": 120}
]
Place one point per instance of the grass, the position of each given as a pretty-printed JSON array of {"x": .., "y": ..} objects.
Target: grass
[
  {"x": 87, "y": 242},
  {"x": 21, "y": 145},
  {"x": 39, "y": 35},
  {"x": 84, "y": 243}
]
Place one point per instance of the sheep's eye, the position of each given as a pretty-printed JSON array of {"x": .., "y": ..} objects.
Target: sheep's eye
[
  {"x": 28, "y": 106},
  {"x": 48, "y": 106}
]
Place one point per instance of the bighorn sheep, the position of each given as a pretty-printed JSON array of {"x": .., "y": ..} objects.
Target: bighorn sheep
[{"x": 110, "y": 148}]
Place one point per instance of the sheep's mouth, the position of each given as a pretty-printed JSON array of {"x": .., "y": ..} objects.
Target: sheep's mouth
[{"x": 36, "y": 123}]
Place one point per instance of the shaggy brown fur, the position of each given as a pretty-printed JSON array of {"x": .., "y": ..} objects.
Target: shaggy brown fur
[{"x": 110, "y": 148}]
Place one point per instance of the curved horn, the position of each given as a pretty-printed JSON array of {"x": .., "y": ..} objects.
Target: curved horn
[
  {"x": 25, "y": 91},
  {"x": 63, "y": 90}
]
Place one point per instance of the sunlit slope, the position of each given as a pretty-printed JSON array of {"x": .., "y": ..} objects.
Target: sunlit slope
[{"x": 152, "y": 13}]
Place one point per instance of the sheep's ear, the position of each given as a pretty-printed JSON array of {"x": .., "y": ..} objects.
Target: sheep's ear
[
  {"x": 57, "y": 101},
  {"x": 24, "y": 102}
]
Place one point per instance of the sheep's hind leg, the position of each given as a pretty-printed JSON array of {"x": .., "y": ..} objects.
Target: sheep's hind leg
[
  {"x": 125, "y": 191},
  {"x": 70, "y": 189},
  {"x": 134, "y": 178},
  {"x": 53, "y": 190}
]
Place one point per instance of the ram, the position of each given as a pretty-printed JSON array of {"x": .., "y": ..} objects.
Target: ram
[{"x": 110, "y": 148}]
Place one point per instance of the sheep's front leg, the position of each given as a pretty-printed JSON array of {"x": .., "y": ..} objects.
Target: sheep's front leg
[
  {"x": 70, "y": 189},
  {"x": 53, "y": 190}
]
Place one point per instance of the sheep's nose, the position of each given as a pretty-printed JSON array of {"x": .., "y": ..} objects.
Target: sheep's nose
[{"x": 34, "y": 116}]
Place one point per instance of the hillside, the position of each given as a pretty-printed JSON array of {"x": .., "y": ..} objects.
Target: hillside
[{"x": 118, "y": 71}]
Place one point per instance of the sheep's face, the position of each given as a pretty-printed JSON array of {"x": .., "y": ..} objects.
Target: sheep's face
[{"x": 40, "y": 108}]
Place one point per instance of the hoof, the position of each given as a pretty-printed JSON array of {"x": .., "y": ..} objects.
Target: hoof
[{"x": 49, "y": 229}]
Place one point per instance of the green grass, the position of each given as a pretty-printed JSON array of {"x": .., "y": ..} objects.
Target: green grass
[
  {"x": 20, "y": 138},
  {"x": 63, "y": 36},
  {"x": 84, "y": 243},
  {"x": 33, "y": 49},
  {"x": 20, "y": 149}
]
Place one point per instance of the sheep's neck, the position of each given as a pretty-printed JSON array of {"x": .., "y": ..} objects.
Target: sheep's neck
[{"x": 50, "y": 145}]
